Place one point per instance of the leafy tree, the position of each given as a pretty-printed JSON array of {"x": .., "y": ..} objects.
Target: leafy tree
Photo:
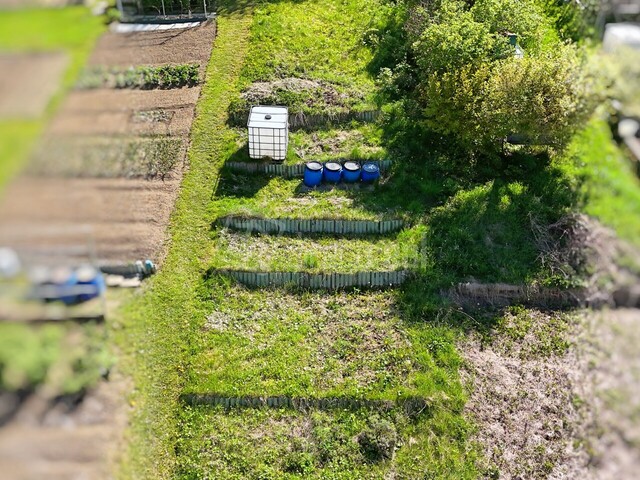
[
  {"x": 461, "y": 77},
  {"x": 524, "y": 18},
  {"x": 456, "y": 41}
]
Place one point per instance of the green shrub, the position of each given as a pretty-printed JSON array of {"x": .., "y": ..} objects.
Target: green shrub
[{"x": 378, "y": 440}]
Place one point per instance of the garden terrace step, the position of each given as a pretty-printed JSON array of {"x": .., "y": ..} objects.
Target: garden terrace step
[
  {"x": 319, "y": 281},
  {"x": 287, "y": 171},
  {"x": 274, "y": 226},
  {"x": 310, "y": 121},
  {"x": 411, "y": 405}
]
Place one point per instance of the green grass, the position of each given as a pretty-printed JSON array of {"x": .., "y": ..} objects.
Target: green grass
[
  {"x": 321, "y": 254},
  {"x": 173, "y": 348},
  {"x": 70, "y": 29},
  {"x": 320, "y": 40},
  {"x": 261, "y": 343},
  {"x": 360, "y": 142},
  {"x": 605, "y": 178},
  {"x": 255, "y": 195},
  {"x": 317, "y": 40},
  {"x": 281, "y": 444},
  {"x": 160, "y": 326},
  {"x": 47, "y": 29}
]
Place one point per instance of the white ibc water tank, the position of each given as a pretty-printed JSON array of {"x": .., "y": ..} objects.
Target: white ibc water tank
[{"x": 268, "y": 132}]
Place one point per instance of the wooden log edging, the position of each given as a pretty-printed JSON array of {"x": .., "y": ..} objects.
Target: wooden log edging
[
  {"x": 287, "y": 171},
  {"x": 500, "y": 294},
  {"x": 317, "y": 281},
  {"x": 300, "y": 120},
  {"x": 411, "y": 405},
  {"x": 292, "y": 226}
]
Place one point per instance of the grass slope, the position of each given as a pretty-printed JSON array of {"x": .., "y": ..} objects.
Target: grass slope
[{"x": 160, "y": 325}]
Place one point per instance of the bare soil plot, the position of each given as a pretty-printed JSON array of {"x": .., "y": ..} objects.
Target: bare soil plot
[
  {"x": 28, "y": 81},
  {"x": 572, "y": 414},
  {"x": 126, "y": 218},
  {"x": 112, "y": 160},
  {"x": 139, "y": 112},
  {"x": 68, "y": 438},
  {"x": 189, "y": 45}
]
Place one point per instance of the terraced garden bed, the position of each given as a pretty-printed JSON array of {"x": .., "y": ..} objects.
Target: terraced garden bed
[{"x": 320, "y": 254}]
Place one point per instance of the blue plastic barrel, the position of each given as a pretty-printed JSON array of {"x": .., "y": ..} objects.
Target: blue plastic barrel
[
  {"x": 92, "y": 280},
  {"x": 332, "y": 172},
  {"x": 351, "y": 172},
  {"x": 63, "y": 280},
  {"x": 312, "y": 174},
  {"x": 370, "y": 172}
]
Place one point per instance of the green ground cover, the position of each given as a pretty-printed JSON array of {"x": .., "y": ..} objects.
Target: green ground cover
[
  {"x": 183, "y": 351},
  {"x": 318, "y": 41},
  {"x": 321, "y": 445},
  {"x": 356, "y": 141},
  {"x": 608, "y": 186},
  {"x": 261, "y": 343},
  {"x": 243, "y": 251},
  {"x": 159, "y": 327}
]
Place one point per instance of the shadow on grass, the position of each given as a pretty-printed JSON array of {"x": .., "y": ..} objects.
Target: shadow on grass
[
  {"x": 484, "y": 234},
  {"x": 237, "y": 185}
]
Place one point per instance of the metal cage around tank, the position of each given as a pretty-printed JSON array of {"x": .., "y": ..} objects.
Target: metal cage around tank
[
  {"x": 268, "y": 128},
  {"x": 165, "y": 11}
]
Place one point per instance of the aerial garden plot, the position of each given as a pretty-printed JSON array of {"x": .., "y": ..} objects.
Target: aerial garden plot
[{"x": 332, "y": 331}]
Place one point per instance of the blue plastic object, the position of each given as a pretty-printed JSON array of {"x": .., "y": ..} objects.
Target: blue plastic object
[
  {"x": 312, "y": 174},
  {"x": 370, "y": 172},
  {"x": 332, "y": 172},
  {"x": 351, "y": 172},
  {"x": 91, "y": 279}
]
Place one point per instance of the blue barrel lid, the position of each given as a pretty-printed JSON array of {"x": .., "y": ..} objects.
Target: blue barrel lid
[
  {"x": 370, "y": 168},
  {"x": 314, "y": 166},
  {"x": 352, "y": 166},
  {"x": 333, "y": 166}
]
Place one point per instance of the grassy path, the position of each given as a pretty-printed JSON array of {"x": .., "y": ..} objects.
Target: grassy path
[{"x": 160, "y": 325}]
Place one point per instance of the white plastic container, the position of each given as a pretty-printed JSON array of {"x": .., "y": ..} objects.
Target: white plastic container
[{"x": 268, "y": 132}]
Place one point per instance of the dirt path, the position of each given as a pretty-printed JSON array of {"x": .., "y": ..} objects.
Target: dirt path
[
  {"x": 62, "y": 439},
  {"x": 28, "y": 81}
]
